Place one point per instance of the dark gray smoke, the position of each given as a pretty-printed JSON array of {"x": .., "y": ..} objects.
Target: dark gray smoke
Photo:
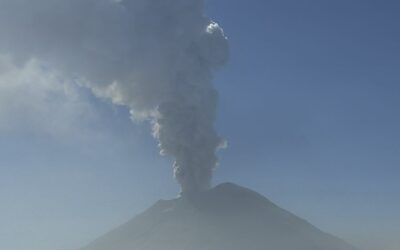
[{"x": 156, "y": 57}]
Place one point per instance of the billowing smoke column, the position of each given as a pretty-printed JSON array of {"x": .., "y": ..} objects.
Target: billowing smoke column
[{"x": 154, "y": 56}]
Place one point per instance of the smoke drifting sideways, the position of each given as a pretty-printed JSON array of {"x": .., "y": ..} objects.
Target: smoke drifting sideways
[{"x": 156, "y": 57}]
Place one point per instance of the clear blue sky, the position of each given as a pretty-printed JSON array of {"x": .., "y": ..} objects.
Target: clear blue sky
[{"x": 309, "y": 104}]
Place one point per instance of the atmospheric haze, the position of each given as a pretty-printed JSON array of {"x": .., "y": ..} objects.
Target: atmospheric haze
[{"x": 314, "y": 84}]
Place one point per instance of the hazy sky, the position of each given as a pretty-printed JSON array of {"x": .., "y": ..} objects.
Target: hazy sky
[{"x": 309, "y": 104}]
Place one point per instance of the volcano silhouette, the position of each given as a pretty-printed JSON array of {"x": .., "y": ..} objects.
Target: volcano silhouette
[{"x": 227, "y": 217}]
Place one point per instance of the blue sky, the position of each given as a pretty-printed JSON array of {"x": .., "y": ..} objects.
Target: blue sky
[
  {"x": 309, "y": 105},
  {"x": 315, "y": 85}
]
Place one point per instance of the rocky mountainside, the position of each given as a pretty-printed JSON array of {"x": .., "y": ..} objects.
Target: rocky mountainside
[{"x": 227, "y": 217}]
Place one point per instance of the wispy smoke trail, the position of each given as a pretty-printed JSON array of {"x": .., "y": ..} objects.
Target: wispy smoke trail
[{"x": 154, "y": 56}]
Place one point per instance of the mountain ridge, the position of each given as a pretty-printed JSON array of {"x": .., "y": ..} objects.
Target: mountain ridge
[{"x": 227, "y": 217}]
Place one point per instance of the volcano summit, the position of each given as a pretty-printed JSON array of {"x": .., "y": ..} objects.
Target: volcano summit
[{"x": 227, "y": 217}]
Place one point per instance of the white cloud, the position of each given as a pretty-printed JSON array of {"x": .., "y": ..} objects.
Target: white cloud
[{"x": 36, "y": 99}]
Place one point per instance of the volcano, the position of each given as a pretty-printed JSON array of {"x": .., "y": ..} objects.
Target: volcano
[{"x": 227, "y": 217}]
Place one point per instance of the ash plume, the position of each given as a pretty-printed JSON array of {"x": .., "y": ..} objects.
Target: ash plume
[{"x": 156, "y": 57}]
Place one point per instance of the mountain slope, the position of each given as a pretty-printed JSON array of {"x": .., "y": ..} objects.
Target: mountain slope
[{"x": 227, "y": 217}]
